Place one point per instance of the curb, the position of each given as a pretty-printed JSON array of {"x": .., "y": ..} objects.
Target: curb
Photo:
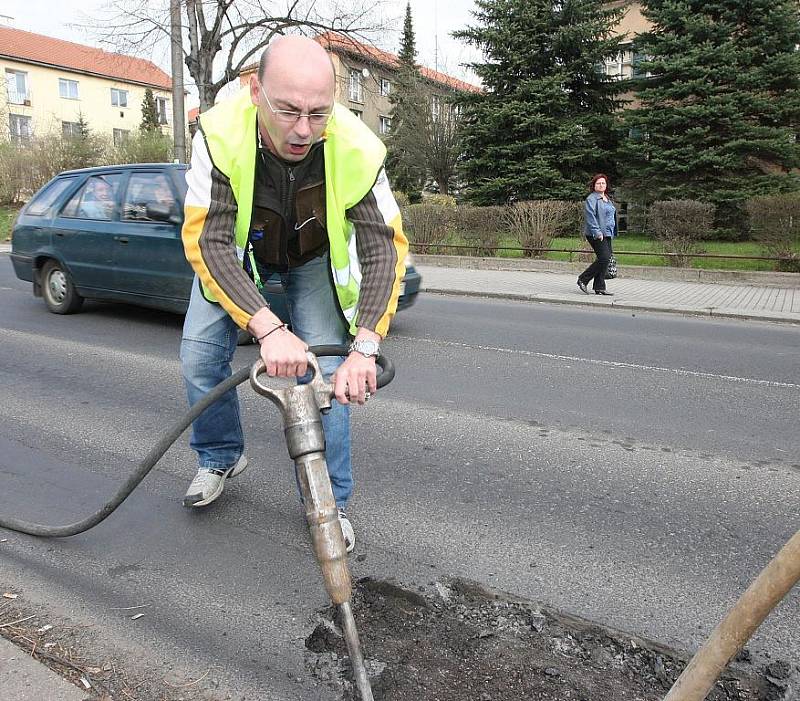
[
  {"x": 635, "y": 272},
  {"x": 24, "y": 678},
  {"x": 718, "y": 312}
]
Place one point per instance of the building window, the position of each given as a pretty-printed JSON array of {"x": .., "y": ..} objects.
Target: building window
[
  {"x": 386, "y": 124},
  {"x": 162, "y": 105},
  {"x": 637, "y": 71},
  {"x": 70, "y": 129},
  {"x": 119, "y": 98},
  {"x": 358, "y": 113},
  {"x": 120, "y": 136},
  {"x": 356, "y": 87},
  {"x": 620, "y": 67},
  {"x": 17, "y": 87},
  {"x": 20, "y": 127},
  {"x": 68, "y": 88},
  {"x": 386, "y": 87},
  {"x": 436, "y": 107}
]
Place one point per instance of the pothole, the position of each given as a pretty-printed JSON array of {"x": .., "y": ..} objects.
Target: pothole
[{"x": 465, "y": 642}]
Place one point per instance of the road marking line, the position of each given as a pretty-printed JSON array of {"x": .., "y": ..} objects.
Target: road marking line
[{"x": 606, "y": 363}]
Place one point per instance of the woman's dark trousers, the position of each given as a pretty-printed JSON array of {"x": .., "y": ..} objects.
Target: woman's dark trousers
[{"x": 597, "y": 270}]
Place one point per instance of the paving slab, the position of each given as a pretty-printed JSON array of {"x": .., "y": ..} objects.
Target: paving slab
[
  {"x": 741, "y": 300},
  {"x": 23, "y": 678}
]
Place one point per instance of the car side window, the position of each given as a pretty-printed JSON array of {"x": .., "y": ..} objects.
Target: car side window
[
  {"x": 45, "y": 199},
  {"x": 149, "y": 198},
  {"x": 96, "y": 199}
]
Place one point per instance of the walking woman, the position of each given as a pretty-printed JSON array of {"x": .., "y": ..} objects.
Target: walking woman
[{"x": 599, "y": 227}]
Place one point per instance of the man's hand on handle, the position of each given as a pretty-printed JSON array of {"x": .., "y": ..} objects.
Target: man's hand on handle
[
  {"x": 284, "y": 355},
  {"x": 356, "y": 378}
]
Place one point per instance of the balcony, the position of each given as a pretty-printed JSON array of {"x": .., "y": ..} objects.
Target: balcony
[{"x": 16, "y": 97}]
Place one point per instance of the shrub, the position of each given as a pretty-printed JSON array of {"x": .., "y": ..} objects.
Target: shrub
[
  {"x": 775, "y": 222},
  {"x": 679, "y": 225},
  {"x": 441, "y": 200},
  {"x": 26, "y": 166},
  {"x": 638, "y": 217},
  {"x": 400, "y": 197},
  {"x": 80, "y": 152},
  {"x": 535, "y": 223},
  {"x": 572, "y": 224},
  {"x": 479, "y": 228},
  {"x": 12, "y": 170},
  {"x": 144, "y": 147},
  {"x": 427, "y": 225}
]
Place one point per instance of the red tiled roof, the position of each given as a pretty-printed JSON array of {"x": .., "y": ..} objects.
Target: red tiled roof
[
  {"x": 28, "y": 47},
  {"x": 339, "y": 43},
  {"x": 194, "y": 113}
]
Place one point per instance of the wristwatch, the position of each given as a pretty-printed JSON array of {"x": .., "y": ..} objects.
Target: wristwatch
[{"x": 367, "y": 348}]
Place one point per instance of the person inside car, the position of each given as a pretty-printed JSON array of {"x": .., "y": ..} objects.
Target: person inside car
[{"x": 98, "y": 200}]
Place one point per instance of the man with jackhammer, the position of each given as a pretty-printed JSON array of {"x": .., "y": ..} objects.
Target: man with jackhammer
[{"x": 285, "y": 180}]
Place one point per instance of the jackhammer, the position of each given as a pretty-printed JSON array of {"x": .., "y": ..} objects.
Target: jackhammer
[{"x": 301, "y": 407}]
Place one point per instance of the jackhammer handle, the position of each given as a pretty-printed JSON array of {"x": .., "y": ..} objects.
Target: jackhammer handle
[{"x": 386, "y": 374}]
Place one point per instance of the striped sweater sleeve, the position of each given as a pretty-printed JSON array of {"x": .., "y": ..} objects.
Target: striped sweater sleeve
[
  {"x": 382, "y": 247},
  {"x": 209, "y": 237}
]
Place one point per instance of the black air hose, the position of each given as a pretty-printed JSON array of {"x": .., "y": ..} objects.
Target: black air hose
[{"x": 158, "y": 450}]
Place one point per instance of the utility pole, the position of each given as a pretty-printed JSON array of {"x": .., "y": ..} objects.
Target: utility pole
[
  {"x": 435, "y": 35},
  {"x": 178, "y": 116}
]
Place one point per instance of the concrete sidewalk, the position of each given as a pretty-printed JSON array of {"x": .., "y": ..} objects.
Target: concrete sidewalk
[
  {"x": 761, "y": 296},
  {"x": 23, "y": 678},
  {"x": 739, "y": 300}
]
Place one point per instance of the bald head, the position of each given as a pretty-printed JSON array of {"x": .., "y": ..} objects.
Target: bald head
[
  {"x": 295, "y": 57},
  {"x": 293, "y": 89}
]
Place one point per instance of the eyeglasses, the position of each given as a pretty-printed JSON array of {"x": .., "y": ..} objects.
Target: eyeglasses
[{"x": 290, "y": 116}]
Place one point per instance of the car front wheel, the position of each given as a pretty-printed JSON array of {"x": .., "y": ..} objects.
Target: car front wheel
[{"x": 57, "y": 289}]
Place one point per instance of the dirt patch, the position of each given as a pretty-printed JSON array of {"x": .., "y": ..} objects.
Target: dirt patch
[
  {"x": 69, "y": 650},
  {"x": 471, "y": 644}
]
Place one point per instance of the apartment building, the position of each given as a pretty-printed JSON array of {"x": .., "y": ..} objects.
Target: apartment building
[
  {"x": 365, "y": 77},
  {"x": 624, "y": 65},
  {"x": 49, "y": 84}
]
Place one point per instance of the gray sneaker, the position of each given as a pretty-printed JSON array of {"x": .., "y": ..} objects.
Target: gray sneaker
[
  {"x": 347, "y": 531},
  {"x": 208, "y": 483}
]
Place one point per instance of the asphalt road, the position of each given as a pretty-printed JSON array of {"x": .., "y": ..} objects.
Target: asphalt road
[{"x": 637, "y": 470}]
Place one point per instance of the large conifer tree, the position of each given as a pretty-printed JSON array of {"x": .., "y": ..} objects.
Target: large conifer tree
[
  {"x": 149, "y": 121},
  {"x": 720, "y": 111},
  {"x": 545, "y": 121},
  {"x": 406, "y": 171}
]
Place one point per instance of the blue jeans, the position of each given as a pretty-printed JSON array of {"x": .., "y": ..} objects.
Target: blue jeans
[{"x": 207, "y": 348}]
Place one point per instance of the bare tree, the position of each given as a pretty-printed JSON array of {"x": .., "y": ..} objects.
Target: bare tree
[
  {"x": 430, "y": 136},
  {"x": 225, "y": 36},
  {"x": 443, "y": 144}
]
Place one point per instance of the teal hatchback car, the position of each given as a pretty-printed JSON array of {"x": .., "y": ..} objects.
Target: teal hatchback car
[{"x": 113, "y": 234}]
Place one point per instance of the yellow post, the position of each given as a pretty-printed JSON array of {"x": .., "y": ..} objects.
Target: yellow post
[{"x": 763, "y": 595}]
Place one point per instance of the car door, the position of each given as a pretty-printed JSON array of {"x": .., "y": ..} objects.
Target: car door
[
  {"x": 83, "y": 232},
  {"x": 149, "y": 260}
]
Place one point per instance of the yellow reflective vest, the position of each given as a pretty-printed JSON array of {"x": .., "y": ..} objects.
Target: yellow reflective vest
[{"x": 354, "y": 158}]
